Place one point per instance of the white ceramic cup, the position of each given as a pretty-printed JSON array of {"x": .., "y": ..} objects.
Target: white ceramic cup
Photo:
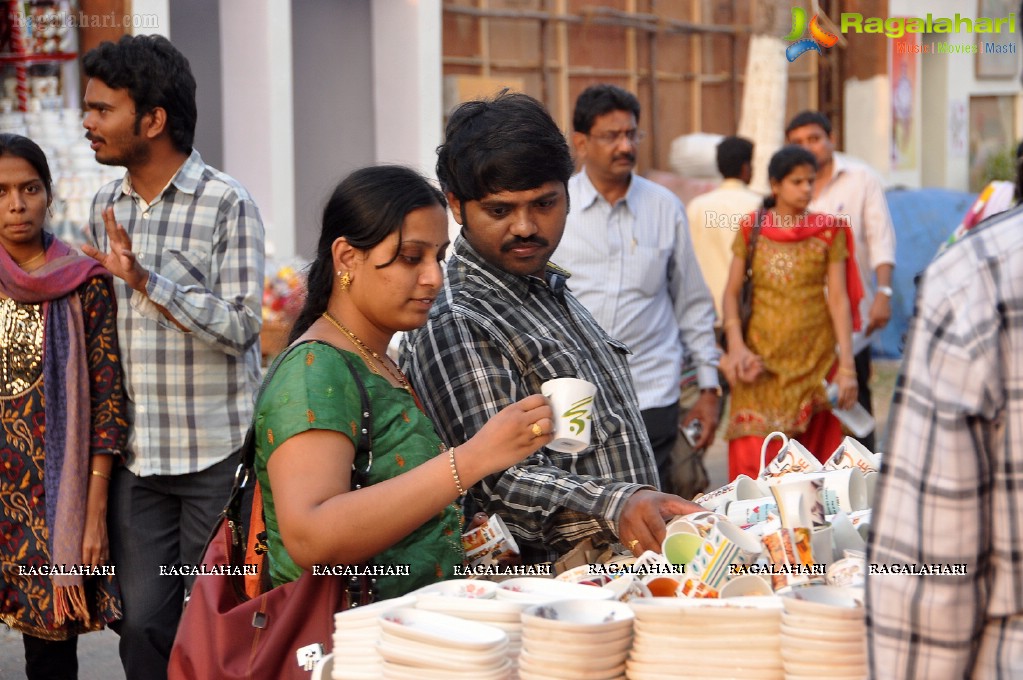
[
  {"x": 793, "y": 457},
  {"x": 746, "y": 585},
  {"x": 742, "y": 488},
  {"x": 752, "y": 511},
  {"x": 798, "y": 498},
  {"x": 681, "y": 525},
  {"x": 844, "y": 490},
  {"x": 822, "y": 545},
  {"x": 487, "y": 542},
  {"x": 572, "y": 402},
  {"x": 726, "y": 544},
  {"x": 851, "y": 453},
  {"x": 870, "y": 479}
]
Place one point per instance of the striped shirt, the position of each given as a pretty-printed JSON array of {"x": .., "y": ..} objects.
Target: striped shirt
[
  {"x": 493, "y": 338},
  {"x": 190, "y": 394},
  {"x": 951, "y": 486},
  {"x": 634, "y": 268}
]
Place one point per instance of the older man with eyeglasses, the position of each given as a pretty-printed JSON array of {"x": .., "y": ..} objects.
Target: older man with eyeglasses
[{"x": 628, "y": 248}]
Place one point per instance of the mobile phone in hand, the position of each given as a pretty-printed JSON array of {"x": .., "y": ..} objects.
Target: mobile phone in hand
[{"x": 692, "y": 432}]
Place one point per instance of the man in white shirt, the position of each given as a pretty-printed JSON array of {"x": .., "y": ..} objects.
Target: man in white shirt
[
  {"x": 627, "y": 246},
  {"x": 848, "y": 187},
  {"x": 714, "y": 216}
]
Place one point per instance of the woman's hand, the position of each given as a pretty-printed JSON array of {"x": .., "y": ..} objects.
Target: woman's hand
[
  {"x": 848, "y": 390},
  {"x": 511, "y": 435},
  {"x": 95, "y": 546},
  {"x": 741, "y": 365}
]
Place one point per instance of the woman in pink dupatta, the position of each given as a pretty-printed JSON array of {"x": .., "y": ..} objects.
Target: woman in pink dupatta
[
  {"x": 62, "y": 416},
  {"x": 806, "y": 292}
]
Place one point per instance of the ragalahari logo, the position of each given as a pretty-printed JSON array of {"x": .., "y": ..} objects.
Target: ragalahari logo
[{"x": 818, "y": 36}]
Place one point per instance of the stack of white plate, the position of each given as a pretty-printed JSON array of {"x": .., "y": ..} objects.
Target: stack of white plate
[
  {"x": 423, "y": 645},
  {"x": 474, "y": 600},
  {"x": 356, "y": 633},
  {"x": 824, "y": 633},
  {"x": 584, "y": 639},
  {"x": 684, "y": 639}
]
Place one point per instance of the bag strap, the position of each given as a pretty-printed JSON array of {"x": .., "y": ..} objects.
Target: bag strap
[{"x": 754, "y": 236}]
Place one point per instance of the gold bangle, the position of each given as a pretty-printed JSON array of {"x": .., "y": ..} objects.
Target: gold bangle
[
  {"x": 847, "y": 371},
  {"x": 101, "y": 474},
  {"x": 454, "y": 472}
]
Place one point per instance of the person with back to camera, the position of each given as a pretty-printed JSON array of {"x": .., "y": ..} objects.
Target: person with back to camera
[
  {"x": 504, "y": 324},
  {"x": 805, "y": 291},
  {"x": 64, "y": 423},
  {"x": 377, "y": 271}
]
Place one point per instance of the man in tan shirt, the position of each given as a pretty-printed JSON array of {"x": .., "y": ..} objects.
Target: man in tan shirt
[{"x": 714, "y": 217}]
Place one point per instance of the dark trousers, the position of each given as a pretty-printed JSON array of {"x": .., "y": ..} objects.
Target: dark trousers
[
  {"x": 662, "y": 428},
  {"x": 159, "y": 521},
  {"x": 863, "y": 384},
  {"x": 51, "y": 659}
]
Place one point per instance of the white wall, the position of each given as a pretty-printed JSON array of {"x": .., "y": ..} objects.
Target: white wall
[
  {"x": 946, "y": 80},
  {"x": 258, "y": 126}
]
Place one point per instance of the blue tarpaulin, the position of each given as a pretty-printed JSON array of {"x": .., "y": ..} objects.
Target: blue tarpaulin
[{"x": 923, "y": 219}]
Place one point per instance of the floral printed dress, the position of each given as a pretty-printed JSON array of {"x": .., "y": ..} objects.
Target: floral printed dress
[{"x": 27, "y": 600}]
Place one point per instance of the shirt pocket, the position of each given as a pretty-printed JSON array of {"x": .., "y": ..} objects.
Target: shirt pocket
[
  {"x": 646, "y": 269},
  {"x": 187, "y": 267}
]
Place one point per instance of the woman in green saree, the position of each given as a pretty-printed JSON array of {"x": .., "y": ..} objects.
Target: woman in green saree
[{"x": 377, "y": 272}]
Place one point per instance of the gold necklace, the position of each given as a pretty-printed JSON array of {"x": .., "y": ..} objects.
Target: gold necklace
[
  {"x": 366, "y": 352},
  {"x": 31, "y": 259}
]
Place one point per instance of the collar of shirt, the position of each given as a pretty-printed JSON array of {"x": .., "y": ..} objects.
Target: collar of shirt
[
  {"x": 732, "y": 183},
  {"x": 186, "y": 179},
  {"x": 590, "y": 194},
  {"x": 554, "y": 277}
]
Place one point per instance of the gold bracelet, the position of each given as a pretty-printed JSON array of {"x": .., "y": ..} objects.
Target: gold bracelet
[
  {"x": 729, "y": 322},
  {"x": 101, "y": 474},
  {"x": 847, "y": 371},
  {"x": 454, "y": 472}
]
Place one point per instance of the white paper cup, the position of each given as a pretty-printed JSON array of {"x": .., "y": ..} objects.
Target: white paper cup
[{"x": 572, "y": 402}]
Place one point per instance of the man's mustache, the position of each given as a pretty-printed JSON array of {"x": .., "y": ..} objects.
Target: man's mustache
[{"x": 518, "y": 242}]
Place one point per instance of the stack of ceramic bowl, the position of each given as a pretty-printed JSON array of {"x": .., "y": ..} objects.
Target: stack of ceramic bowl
[
  {"x": 824, "y": 633},
  {"x": 423, "y": 645},
  {"x": 474, "y": 600},
  {"x": 683, "y": 639},
  {"x": 584, "y": 639},
  {"x": 537, "y": 590},
  {"x": 356, "y": 633}
]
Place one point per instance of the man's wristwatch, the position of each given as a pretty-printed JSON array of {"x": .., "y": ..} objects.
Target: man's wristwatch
[{"x": 886, "y": 290}]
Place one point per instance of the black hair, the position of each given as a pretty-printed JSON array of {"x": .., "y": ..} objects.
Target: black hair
[
  {"x": 508, "y": 143},
  {"x": 598, "y": 100},
  {"x": 25, "y": 148},
  {"x": 733, "y": 153},
  {"x": 804, "y": 118},
  {"x": 155, "y": 74},
  {"x": 366, "y": 207},
  {"x": 783, "y": 162}
]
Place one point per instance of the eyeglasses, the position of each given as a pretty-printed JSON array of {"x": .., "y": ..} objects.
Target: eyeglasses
[{"x": 612, "y": 138}]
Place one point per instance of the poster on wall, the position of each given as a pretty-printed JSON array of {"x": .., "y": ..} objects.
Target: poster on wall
[
  {"x": 903, "y": 67},
  {"x": 992, "y": 145}
]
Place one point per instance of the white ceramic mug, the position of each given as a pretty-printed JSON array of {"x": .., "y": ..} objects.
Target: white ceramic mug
[
  {"x": 843, "y": 490},
  {"x": 726, "y": 544},
  {"x": 572, "y": 402},
  {"x": 851, "y": 453},
  {"x": 742, "y": 488},
  {"x": 752, "y": 511},
  {"x": 793, "y": 457},
  {"x": 798, "y": 498}
]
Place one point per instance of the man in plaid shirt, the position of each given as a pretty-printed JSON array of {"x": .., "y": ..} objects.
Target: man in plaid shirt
[
  {"x": 950, "y": 498},
  {"x": 185, "y": 243},
  {"x": 505, "y": 323}
]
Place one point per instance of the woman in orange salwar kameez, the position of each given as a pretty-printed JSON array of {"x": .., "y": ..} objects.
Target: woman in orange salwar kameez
[{"x": 806, "y": 290}]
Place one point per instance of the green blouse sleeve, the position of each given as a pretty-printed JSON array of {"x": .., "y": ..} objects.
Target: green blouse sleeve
[{"x": 312, "y": 389}]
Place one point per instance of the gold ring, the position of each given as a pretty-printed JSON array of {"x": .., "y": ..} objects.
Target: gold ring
[
  {"x": 536, "y": 429},
  {"x": 633, "y": 543}
]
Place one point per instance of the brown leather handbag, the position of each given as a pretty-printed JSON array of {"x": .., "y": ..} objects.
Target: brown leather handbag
[
  {"x": 226, "y": 634},
  {"x": 746, "y": 292}
]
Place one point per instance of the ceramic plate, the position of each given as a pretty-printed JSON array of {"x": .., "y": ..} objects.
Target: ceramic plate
[
  {"x": 441, "y": 630},
  {"x": 537, "y": 590}
]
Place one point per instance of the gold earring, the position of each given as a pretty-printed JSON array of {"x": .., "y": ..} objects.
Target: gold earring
[{"x": 346, "y": 280}]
